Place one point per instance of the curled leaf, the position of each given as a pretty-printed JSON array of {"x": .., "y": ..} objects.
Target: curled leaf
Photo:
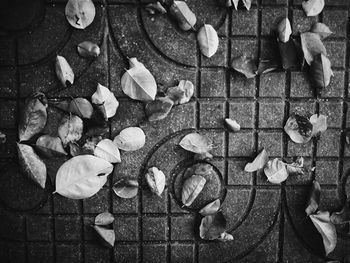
[
  {"x": 275, "y": 171},
  {"x": 314, "y": 198},
  {"x": 107, "y": 235},
  {"x": 88, "y": 49},
  {"x": 50, "y": 146},
  {"x": 322, "y": 222},
  {"x": 284, "y": 30},
  {"x": 297, "y": 167},
  {"x": 321, "y": 29},
  {"x": 183, "y": 14},
  {"x": 64, "y": 72},
  {"x": 259, "y": 162},
  {"x": 31, "y": 164},
  {"x": 126, "y": 188},
  {"x": 208, "y": 40},
  {"x": 81, "y": 107},
  {"x": 104, "y": 219},
  {"x": 105, "y": 100},
  {"x": 313, "y": 7},
  {"x": 154, "y": 8},
  {"x": 159, "y": 108},
  {"x": 319, "y": 124},
  {"x": 70, "y": 129},
  {"x": 130, "y": 139},
  {"x": 191, "y": 189},
  {"x": 225, "y": 237},
  {"x": 34, "y": 116},
  {"x": 311, "y": 45},
  {"x": 210, "y": 208},
  {"x": 320, "y": 71},
  {"x": 80, "y": 13},
  {"x": 181, "y": 93},
  {"x": 343, "y": 216},
  {"x": 108, "y": 151},
  {"x": 212, "y": 226},
  {"x": 138, "y": 83},
  {"x": 299, "y": 128},
  {"x": 232, "y": 124},
  {"x": 196, "y": 143},
  {"x": 156, "y": 180},
  {"x": 244, "y": 65},
  {"x": 82, "y": 176}
]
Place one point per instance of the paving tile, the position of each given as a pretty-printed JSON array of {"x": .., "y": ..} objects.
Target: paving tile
[
  {"x": 68, "y": 228},
  {"x": 154, "y": 253},
  {"x": 126, "y": 228},
  {"x": 154, "y": 228},
  {"x": 39, "y": 228},
  {"x": 182, "y": 253},
  {"x": 211, "y": 114},
  {"x": 68, "y": 253}
]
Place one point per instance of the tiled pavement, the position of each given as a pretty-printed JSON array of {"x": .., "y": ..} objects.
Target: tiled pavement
[{"x": 267, "y": 221}]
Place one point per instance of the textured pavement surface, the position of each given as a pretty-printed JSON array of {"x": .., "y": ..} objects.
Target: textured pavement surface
[{"x": 267, "y": 221}]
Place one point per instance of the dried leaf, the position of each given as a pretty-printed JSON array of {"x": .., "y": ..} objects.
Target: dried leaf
[
  {"x": 319, "y": 124},
  {"x": 126, "y": 188},
  {"x": 105, "y": 100},
  {"x": 297, "y": 167},
  {"x": 313, "y": 7},
  {"x": 70, "y": 129},
  {"x": 80, "y": 13},
  {"x": 247, "y": 4},
  {"x": 104, "y": 219},
  {"x": 232, "y": 124},
  {"x": 208, "y": 40},
  {"x": 88, "y": 49},
  {"x": 312, "y": 45},
  {"x": 321, "y": 29},
  {"x": 291, "y": 56},
  {"x": 154, "y": 8},
  {"x": 82, "y": 176},
  {"x": 210, "y": 208},
  {"x": 320, "y": 71},
  {"x": 138, "y": 83},
  {"x": 275, "y": 171},
  {"x": 31, "y": 164},
  {"x": 34, "y": 116},
  {"x": 50, "y": 146},
  {"x": 343, "y": 216},
  {"x": 107, "y": 235},
  {"x": 314, "y": 198},
  {"x": 212, "y": 226},
  {"x": 108, "y": 151},
  {"x": 225, "y": 237},
  {"x": 259, "y": 162},
  {"x": 81, "y": 107},
  {"x": 183, "y": 14},
  {"x": 63, "y": 71},
  {"x": 299, "y": 128},
  {"x": 159, "y": 108},
  {"x": 284, "y": 30},
  {"x": 191, "y": 189},
  {"x": 267, "y": 65},
  {"x": 156, "y": 180},
  {"x": 196, "y": 143},
  {"x": 244, "y": 65},
  {"x": 181, "y": 93},
  {"x": 130, "y": 139},
  {"x": 321, "y": 220}
]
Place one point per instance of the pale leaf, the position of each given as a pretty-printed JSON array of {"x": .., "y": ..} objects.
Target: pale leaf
[
  {"x": 80, "y": 13},
  {"x": 70, "y": 129},
  {"x": 321, "y": 29},
  {"x": 104, "y": 218},
  {"x": 211, "y": 208},
  {"x": 105, "y": 100},
  {"x": 232, "y": 124},
  {"x": 196, "y": 143},
  {"x": 258, "y": 163},
  {"x": 284, "y": 30},
  {"x": 130, "y": 139},
  {"x": 107, "y": 235},
  {"x": 208, "y": 40},
  {"x": 275, "y": 171},
  {"x": 311, "y": 45},
  {"x": 319, "y": 124},
  {"x": 64, "y": 72},
  {"x": 244, "y": 65},
  {"x": 126, "y": 188},
  {"x": 50, "y": 146},
  {"x": 299, "y": 128},
  {"x": 88, "y": 49},
  {"x": 192, "y": 188},
  {"x": 183, "y": 14},
  {"x": 212, "y": 226},
  {"x": 313, "y": 7},
  {"x": 159, "y": 108},
  {"x": 108, "y": 151},
  {"x": 314, "y": 198},
  {"x": 321, "y": 71},
  {"x": 181, "y": 93},
  {"x": 156, "y": 180}
]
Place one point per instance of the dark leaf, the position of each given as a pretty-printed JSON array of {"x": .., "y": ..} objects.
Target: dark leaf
[
  {"x": 126, "y": 188},
  {"x": 50, "y": 146},
  {"x": 314, "y": 198},
  {"x": 88, "y": 49},
  {"x": 343, "y": 216},
  {"x": 299, "y": 128},
  {"x": 244, "y": 65},
  {"x": 212, "y": 226},
  {"x": 320, "y": 71},
  {"x": 290, "y": 55},
  {"x": 107, "y": 235},
  {"x": 159, "y": 108},
  {"x": 268, "y": 65},
  {"x": 181, "y": 93}
]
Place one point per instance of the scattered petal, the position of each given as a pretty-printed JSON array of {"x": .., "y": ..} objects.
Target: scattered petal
[
  {"x": 244, "y": 65},
  {"x": 126, "y": 188},
  {"x": 321, "y": 71},
  {"x": 196, "y": 143},
  {"x": 80, "y": 13},
  {"x": 232, "y": 124},
  {"x": 130, "y": 139},
  {"x": 192, "y": 188},
  {"x": 284, "y": 30},
  {"x": 319, "y": 124},
  {"x": 314, "y": 198},
  {"x": 50, "y": 146},
  {"x": 70, "y": 129},
  {"x": 88, "y": 49},
  {"x": 211, "y": 208},
  {"x": 64, "y": 72},
  {"x": 108, "y": 151},
  {"x": 212, "y": 226},
  {"x": 321, "y": 29},
  {"x": 156, "y": 180},
  {"x": 312, "y": 45},
  {"x": 159, "y": 108},
  {"x": 276, "y": 171},
  {"x": 299, "y": 128},
  {"x": 259, "y": 162},
  {"x": 183, "y": 14},
  {"x": 313, "y": 7},
  {"x": 104, "y": 219},
  {"x": 208, "y": 40},
  {"x": 181, "y": 93},
  {"x": 107, "y": 235}
]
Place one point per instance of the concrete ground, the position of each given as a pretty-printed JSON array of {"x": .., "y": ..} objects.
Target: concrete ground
[{"x": 267, "y": 222}]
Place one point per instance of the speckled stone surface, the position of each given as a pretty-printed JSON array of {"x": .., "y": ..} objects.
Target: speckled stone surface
[{"x": 267, "y": 221}]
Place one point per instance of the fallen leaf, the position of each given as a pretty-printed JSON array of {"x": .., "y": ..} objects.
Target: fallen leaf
[
  {"x": 76, "y": 150},
  {"x": 126, "y": 188},
  {"x": 232, "y": 124},
  {"x": 50, "y": 146},
  {"x": 208, "y": 40},
  {"x": 314, "y": 198},
  {"x": 275, "y": 171},
  {"x": 104, "y": 219},
  {"x": 321, "y": 220},
  {"x": 343, "y": 216},
  {"x": 88, "y": 49},
  {"x": 244, "y": 65},
  {"x": 319, "y": 124},
  {"x": 156, "y": 180},
  {"x": 313, "y": 7},
  {"x": 34, "y": 116},
  {"x": 196, "y": 143},
  {"x": 284, "y": 30},
  {"x": 105, "y": 100},
  {"x": 80, "y": 13},
  {"x": 212, "y": 226},
  {"x": 138, "y": 83},
  {"x": 291, "y": 56},
  {"x": 321, "y": 29},
  {"x": 267, "y": 65},
  {"x": 130, "y": 139},
  {"x": 108, "y": 151},
  {"x": 82, "y": 176},
  {"x": 192, "y": 188},
  {"x": 183, "y": 14},
  {"x": 229, "y": 3},
  {"x": 320, "y": 71},
  {"x": 31, "y": 164},
  {"x": 107, "y": 235},
  {"x": 159, "y": 108},
  {"x": 154, "y": 8},
  {"x": 225, "y": 237},
  {"x": 211, "y": 208},
  {"x": 2, "y": 138},
  {"x": 64, "y": 72},
  {"x": 247, "y": 4},
  {"x": 297, "y": 167},
  {"x": 299, "y": 128},
  {"x": 181, "y": 93},
  {"x": 258, "y": 163},
  {"x": 311, "y": 45},
  {"x": 70, "y": 129},
  {"x": 81, "y": 107}
]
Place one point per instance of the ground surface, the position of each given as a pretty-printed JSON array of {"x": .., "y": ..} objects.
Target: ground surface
[{"x": 267, "y": 221}]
